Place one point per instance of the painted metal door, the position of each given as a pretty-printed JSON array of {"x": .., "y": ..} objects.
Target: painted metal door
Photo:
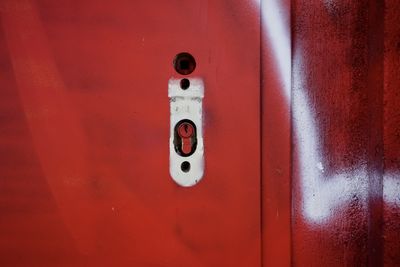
[
  {"x": 85, "y": 130},
  {"x": 300, "y": 127}
]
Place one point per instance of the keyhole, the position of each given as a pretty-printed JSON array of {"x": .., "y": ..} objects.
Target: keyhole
[{"x": 185, "y": 139}]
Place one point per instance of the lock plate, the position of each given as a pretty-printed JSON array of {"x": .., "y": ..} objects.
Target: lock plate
[{"x": 186, "y": 132}]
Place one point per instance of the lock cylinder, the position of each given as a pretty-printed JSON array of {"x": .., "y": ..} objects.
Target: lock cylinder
[{"x": 185, "y": 139}]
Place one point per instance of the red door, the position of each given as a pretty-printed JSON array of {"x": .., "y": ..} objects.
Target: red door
[
  {"x": 85, "y": 131},
  {"x": 297, "y": 121}
]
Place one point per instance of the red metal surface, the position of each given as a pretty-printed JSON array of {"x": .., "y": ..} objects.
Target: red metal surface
[
  {"x": 84, "y": 133},
  {"x": 276, "y": 133},
  {"x": 345, "y": 172},
  {"x": 391, "y": 135},
  {"x": 85, "y": 130},
  {"x": 331, "y": 71}
]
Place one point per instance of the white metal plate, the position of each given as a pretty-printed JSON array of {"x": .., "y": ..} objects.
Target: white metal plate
[{"x": 186, "y": 104}]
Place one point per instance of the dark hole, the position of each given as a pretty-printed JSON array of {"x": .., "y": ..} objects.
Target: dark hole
[
  {"x": 184, "y": 63},
  {"x": 185, "y": 83},
  {"x": 185, "y": 166}
]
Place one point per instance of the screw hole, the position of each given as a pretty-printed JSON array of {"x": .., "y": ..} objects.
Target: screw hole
[
  {"x": 185, "y": 166},
  {"x": 185, "y": 83},
  {"x": 184, "y": 63}
]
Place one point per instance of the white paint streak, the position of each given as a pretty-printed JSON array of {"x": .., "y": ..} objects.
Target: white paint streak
[
  {"x": 322, "y": 194},
  {"x": 391, "y": 189},
  {"x": 278, "y": 37}
]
